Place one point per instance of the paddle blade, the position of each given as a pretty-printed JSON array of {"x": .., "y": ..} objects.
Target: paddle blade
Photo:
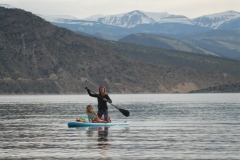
[{"x": 124, "y": 112}]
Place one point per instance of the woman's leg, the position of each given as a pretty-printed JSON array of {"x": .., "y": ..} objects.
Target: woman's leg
[
  {"x": 100, "y": 113},
  {"x": 106, "y": 116}
]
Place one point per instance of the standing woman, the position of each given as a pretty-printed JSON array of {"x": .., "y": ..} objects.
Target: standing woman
[{"x": 102, "y": 98}]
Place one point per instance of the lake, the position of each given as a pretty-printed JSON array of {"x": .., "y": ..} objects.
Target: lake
[{"x": 162, "y": 126}]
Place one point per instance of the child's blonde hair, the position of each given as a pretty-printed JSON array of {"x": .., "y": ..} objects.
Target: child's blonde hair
[{"x": 89, "y": 109}]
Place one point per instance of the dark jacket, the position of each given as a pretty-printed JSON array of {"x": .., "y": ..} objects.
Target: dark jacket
[{"x": 101, "y": 103}]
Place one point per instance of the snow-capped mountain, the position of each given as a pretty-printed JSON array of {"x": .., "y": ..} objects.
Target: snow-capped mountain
[
  {"x": 216, "y": 20},
  {"x": 134, "y": 18},
  {"x": 164, "y": 17},
  {"x": 6, "y": 6},
  {"x": 126, "y": 20},
  {"x": 58, "y": 18}
]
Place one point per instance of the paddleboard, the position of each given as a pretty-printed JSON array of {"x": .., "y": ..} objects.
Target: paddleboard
[{"x": 86, "y": 124}]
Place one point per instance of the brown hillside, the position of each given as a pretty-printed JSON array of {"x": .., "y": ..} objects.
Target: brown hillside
[{"x": 37, "y": 57}]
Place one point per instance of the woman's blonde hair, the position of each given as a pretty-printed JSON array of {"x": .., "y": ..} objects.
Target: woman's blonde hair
[
  {"x": 88, "y": 109},
  {"x": 104, "y": 90}
]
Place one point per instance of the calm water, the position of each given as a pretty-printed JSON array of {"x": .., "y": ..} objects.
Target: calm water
[{"x": 162, "y": 126}]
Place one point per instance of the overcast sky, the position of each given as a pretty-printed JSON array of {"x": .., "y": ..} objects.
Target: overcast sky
[{"x": 86, "y": 8}]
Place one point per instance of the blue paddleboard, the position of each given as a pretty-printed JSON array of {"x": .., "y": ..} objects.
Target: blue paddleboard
[{"x": 86, "y": 124}]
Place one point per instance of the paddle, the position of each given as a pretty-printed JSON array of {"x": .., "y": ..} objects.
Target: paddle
[{"x": 123, "y": 111}]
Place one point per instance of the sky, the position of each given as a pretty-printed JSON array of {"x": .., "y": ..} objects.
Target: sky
[{"x": 86, "y": 8}]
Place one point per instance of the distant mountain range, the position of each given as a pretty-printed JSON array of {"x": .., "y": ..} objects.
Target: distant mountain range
[
  {"x": 148, "y": 22},
  {"x": 215, "y": 34},
  {"x": 134, "y": 18}
]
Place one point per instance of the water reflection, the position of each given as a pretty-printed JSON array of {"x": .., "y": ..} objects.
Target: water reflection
[{"x": 103, "y": 137}]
